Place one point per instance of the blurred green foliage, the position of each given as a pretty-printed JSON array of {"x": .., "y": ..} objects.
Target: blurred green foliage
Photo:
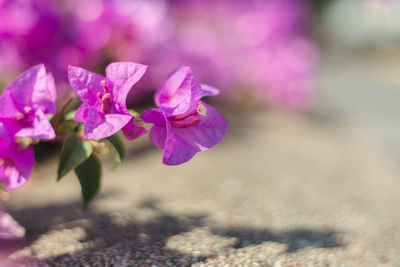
[{"x": 319, "y": 5}]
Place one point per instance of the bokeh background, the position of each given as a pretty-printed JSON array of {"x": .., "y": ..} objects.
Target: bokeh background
[
  {"x": 307, "y": 174},
  {"x": 257, "y": 47}
]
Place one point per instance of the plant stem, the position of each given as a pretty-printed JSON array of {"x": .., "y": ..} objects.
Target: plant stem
[{"x": 59, "y": 115}]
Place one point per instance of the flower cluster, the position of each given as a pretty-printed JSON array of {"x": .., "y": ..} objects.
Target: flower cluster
[
  {"x": 257, "y": 45},
  {"x": 182, "y": 124},
  {"x": 25, "y": 103}
]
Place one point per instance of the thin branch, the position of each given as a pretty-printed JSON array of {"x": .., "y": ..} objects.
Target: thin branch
[{"x": 59, "y": 115}]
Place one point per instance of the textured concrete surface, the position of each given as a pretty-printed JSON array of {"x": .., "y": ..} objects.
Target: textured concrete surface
[{"x": 280, "y": 190}]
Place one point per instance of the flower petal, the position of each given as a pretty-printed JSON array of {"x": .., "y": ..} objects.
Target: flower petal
[
  {"x": 132, "y": 130},
  {"x": 86, "y": 85},
  {"x": 176, "y": 149},
  {"x": 23, "y": 160},
  {"x": 44, "y": 96},
  {"x": 48, "y": 101},
  {"x": 209, "y": 90},
  {"x": 158, "y": 135},
  {"x": 40, "y": 128},
  {"x": 8, "y": 108},
  {"x": 8, "y": 128},
  {"x": 29, "y": 88},
  {"x": 179, "y": 93},
  {"x": 158, "y": 132},
  {"x": 99, "y": 126},
  {"x": 154, "y": 116},
  {"x": 209, "y": 132},
  {"x": 3, "y": 131},
  {"x": 82, "y": 112},
  {"x": 10, "y": 229},
  {"x": 123, "y": 75}
]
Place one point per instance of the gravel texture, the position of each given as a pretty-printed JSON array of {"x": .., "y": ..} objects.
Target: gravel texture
[{"x": 280, "y": 190}]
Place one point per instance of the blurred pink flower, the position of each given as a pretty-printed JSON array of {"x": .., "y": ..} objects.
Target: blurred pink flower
[
  {"x": 10, "y": 229},
  {"x": 257, "y": 46}
]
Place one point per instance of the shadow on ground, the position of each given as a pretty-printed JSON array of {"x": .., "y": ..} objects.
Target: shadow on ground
[
  {"x": 294, "y": 239},
  {"x": 114, "y": 237}
]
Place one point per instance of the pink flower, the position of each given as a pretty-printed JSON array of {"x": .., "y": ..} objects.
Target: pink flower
[
  {"x": 25, "y": 103},
  {"x": 10, "y": 229},
  {"x": 16, "y": 164},
  {"x": 184, "y": 125},
  {"x": 104, "y": 111}
]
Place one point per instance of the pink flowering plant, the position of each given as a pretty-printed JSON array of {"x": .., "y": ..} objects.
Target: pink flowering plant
[
  {"x": 181, "y": 124},
  {"x": 252, "y": 50}
]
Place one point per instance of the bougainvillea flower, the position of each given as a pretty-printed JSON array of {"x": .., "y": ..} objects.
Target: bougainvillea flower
[
  {"x": 184, "y": 125},
  {"x": 104, "y": 111},
  {"x": 10, "y": 229},
  {"x": 16, "y": 164},
  {"x": 25, "y": 103}
]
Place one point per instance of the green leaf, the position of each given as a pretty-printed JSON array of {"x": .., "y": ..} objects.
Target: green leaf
[
  {"x": 50, "y": 116},
  {"x": 67, "y": 127},
  {"x": 89, "y": 175},
  {"x": 117, "y": 147},
  {"x": 74, "y": 152},
  {"x": 70, "y": 115},
  {"x": 79, "y": 128},
  {"x": 24, "y": 141},
  {"x": 135, "y": 114}
]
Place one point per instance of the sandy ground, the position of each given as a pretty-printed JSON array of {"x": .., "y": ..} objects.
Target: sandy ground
[{"x": 280, "y": 190}]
